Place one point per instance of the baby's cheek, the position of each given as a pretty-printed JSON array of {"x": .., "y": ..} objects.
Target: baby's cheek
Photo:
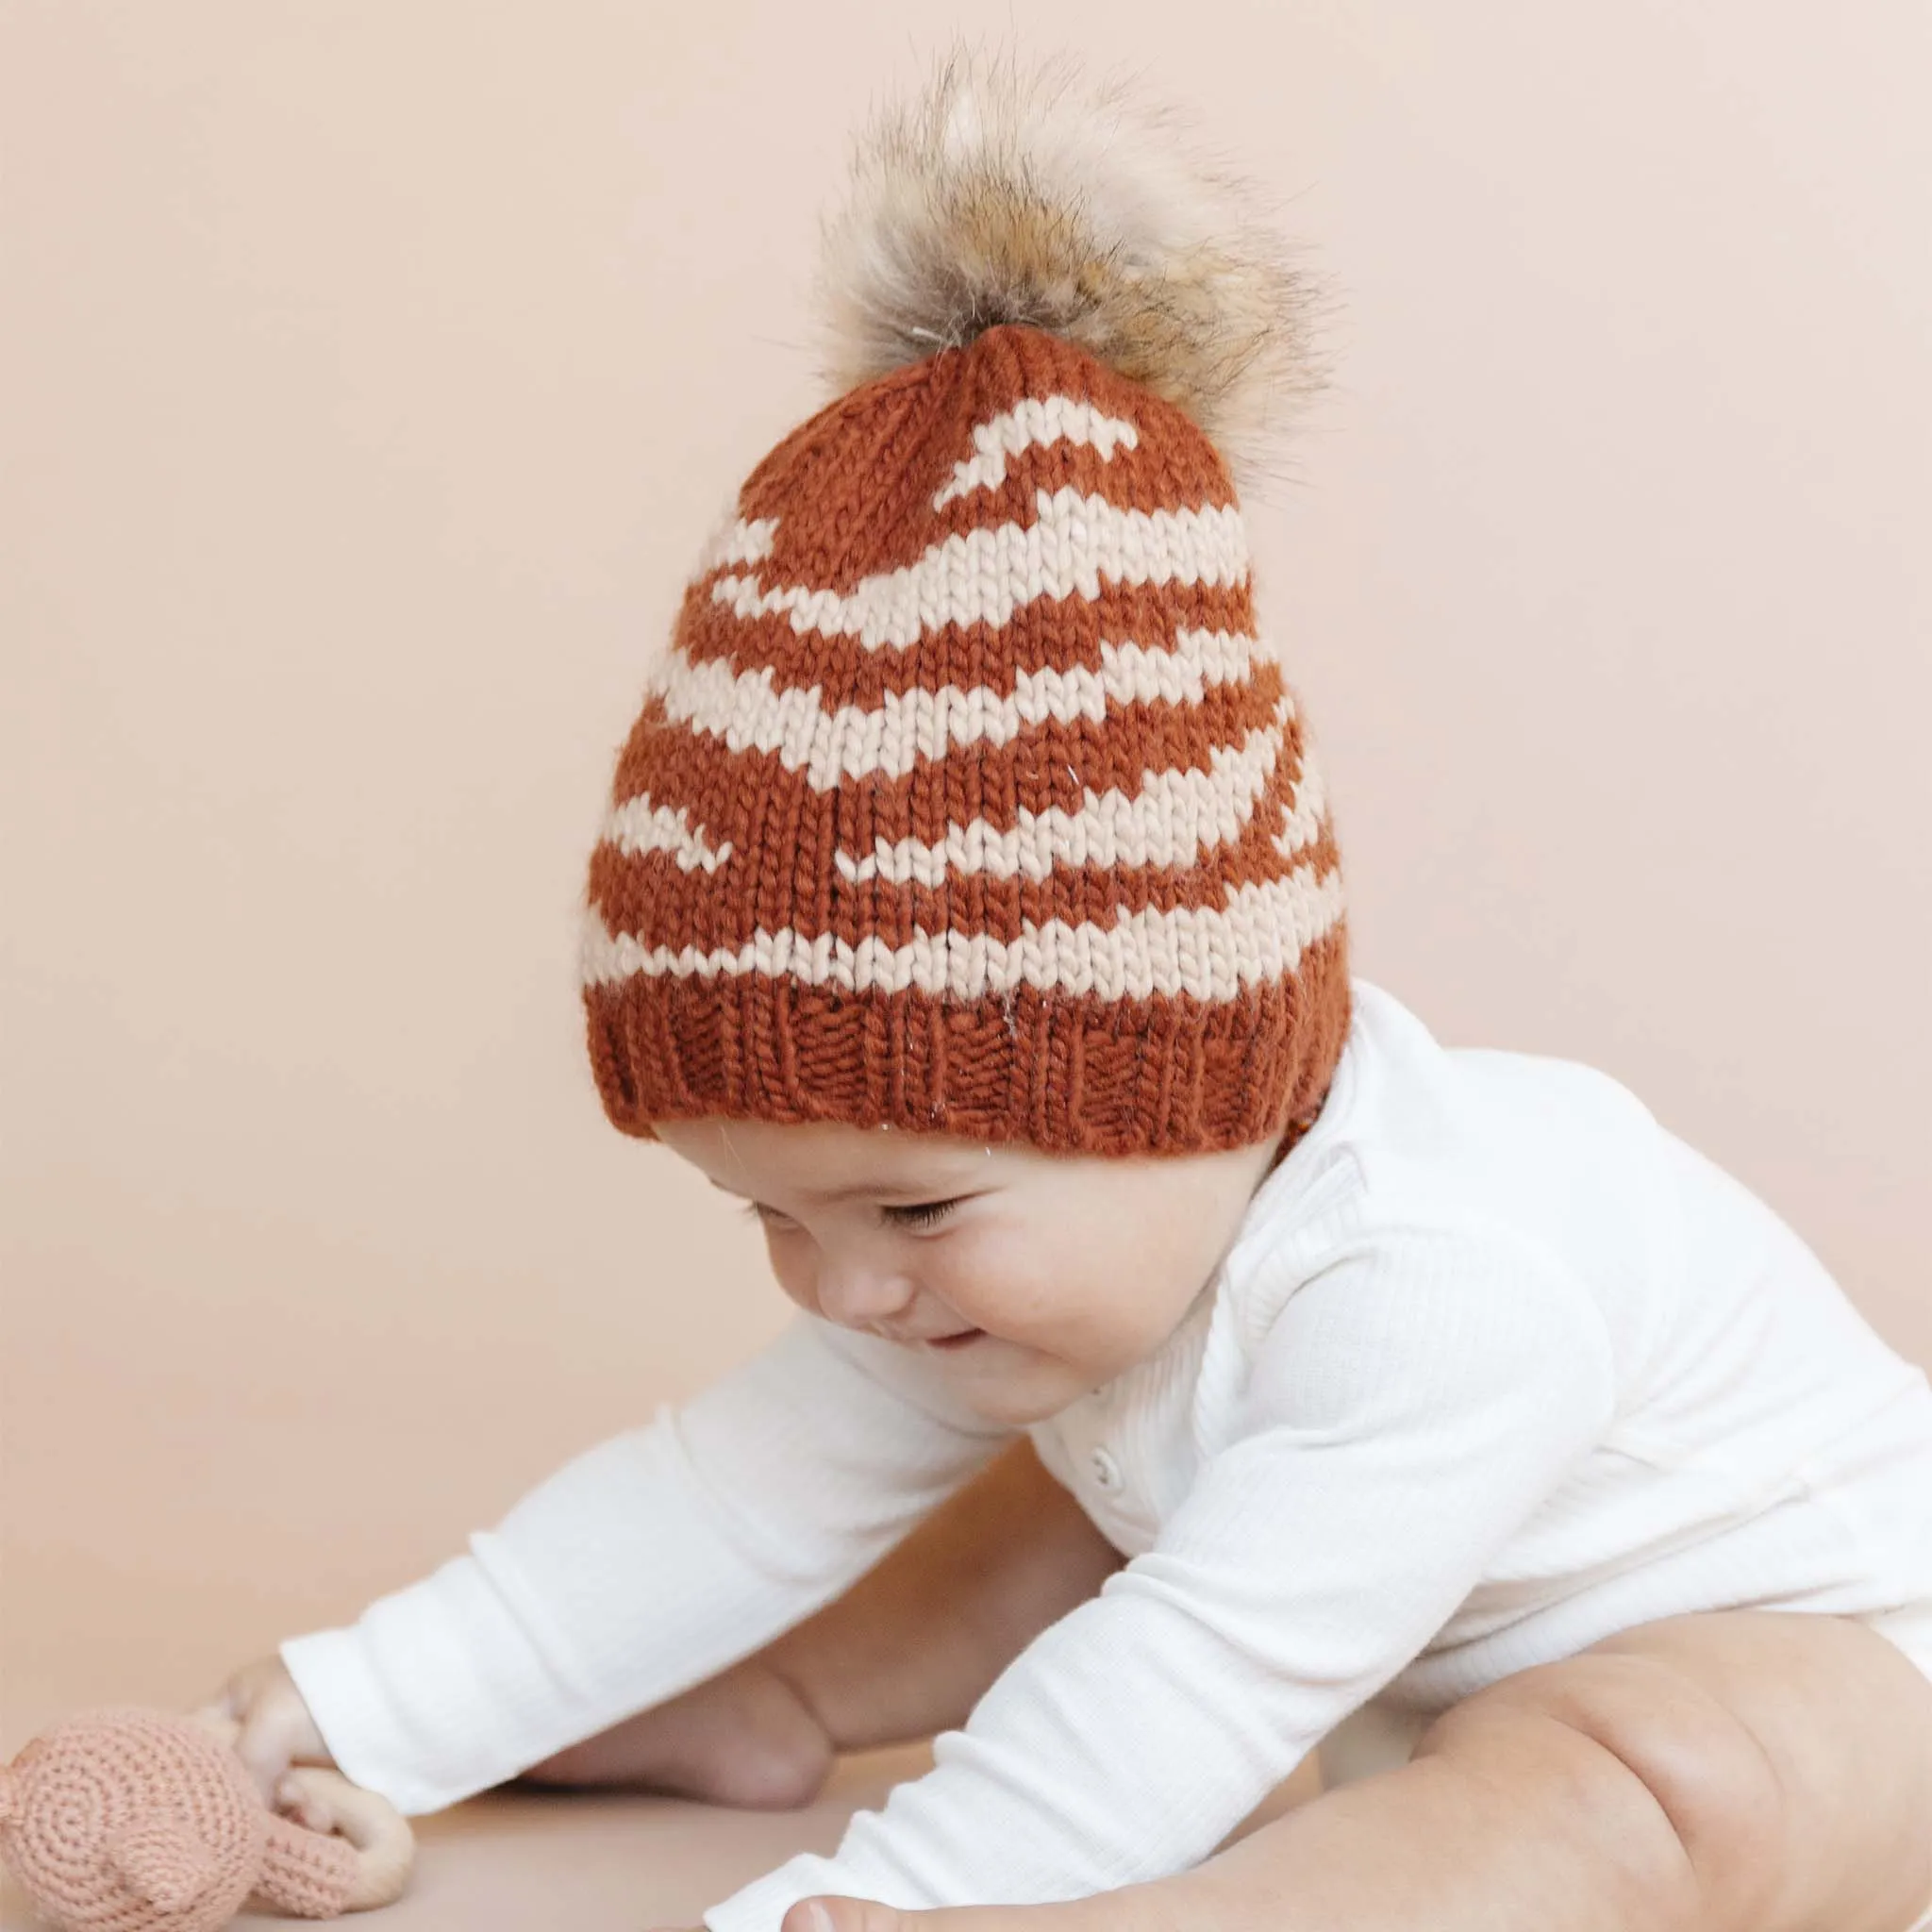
[
  {"x": 791, "y": 1254},
  {"x": 1012, "y": 1288},
  {"x": 960, "y": 1272}
]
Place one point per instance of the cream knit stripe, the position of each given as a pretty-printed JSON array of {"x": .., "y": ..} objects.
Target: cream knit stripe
[
  {"x": 1195, "y": 952},
  {"x": 737, "y": 540},
  {"x": 1302, "y": 824},
  {"x": 1171, "y": 819},
  {"x": 1154, "y": 829},
  {"x": 982, "y": 577},
  {"x": 1037, "y": 420},
  {"x": 832, "y": 745},
  {"x": 637, "y": 827}
]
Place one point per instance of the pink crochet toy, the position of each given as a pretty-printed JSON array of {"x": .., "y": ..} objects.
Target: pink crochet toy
[{"x": 131, "y": 1820}]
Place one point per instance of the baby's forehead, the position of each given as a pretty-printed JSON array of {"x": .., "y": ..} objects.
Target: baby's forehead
[{"x": 824, "y": 1156}]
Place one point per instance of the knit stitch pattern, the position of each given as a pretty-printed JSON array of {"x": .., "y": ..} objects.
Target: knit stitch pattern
[
  {"x": 968, "y": 797},
  {"x": 131, "y": 1820}
]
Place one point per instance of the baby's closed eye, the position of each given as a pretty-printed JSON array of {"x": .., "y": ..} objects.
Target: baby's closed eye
[
  {"x": 914, "y": 1214},
  {"x": 921, "y": 1214}
]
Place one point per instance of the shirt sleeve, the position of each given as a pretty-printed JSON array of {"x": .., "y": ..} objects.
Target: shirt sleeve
[
  {"x": 643, "y": 1566},
  {"x": 1409, "y": 1408}
]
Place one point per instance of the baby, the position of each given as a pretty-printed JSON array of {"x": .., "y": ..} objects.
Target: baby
[{"x": 1190, "y": 1349}]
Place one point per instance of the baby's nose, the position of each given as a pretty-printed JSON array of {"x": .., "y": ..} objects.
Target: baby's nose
[{"x": 862, "y": 1296}]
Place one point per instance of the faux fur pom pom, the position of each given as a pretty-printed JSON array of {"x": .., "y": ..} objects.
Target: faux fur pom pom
[{"x": 999, "y": 196}]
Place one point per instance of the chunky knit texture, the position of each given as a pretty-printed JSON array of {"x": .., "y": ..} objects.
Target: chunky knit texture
[
  {"x": 969, "y": 796},
  {"x": 132, "y": 1820}
]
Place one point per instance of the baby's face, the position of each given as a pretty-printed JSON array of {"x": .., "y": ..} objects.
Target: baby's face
[{"x": 1071, "y": 1268}]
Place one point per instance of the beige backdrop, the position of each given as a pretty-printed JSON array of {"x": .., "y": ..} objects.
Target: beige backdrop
[{"x": 372, "y": 373}]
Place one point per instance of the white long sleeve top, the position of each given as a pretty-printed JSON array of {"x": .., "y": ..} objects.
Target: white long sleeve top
[{"x": 1495, "y": 1366}]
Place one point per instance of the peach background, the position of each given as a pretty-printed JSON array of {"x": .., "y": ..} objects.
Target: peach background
[{"x": 374, "y": 372}]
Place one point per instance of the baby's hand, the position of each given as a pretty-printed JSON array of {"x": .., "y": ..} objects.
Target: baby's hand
[{"x": 260, "y": 1713}]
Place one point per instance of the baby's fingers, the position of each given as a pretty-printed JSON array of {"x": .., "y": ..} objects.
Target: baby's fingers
[
  {"x": 272, "y": 1737},
  {"x": 296, "y": 1798}
]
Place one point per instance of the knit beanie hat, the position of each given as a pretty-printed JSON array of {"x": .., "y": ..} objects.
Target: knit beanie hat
[{"x": 970, "y": 797}]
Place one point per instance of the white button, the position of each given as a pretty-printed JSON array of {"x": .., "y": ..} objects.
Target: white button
[{"x": 1106, "y": 1472}]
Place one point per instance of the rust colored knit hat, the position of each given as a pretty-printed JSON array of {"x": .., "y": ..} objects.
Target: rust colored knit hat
[{"x": 970, "y": 797}]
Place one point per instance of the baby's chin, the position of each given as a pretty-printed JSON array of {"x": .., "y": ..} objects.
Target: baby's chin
[{"x": 1008, "y": 1382}]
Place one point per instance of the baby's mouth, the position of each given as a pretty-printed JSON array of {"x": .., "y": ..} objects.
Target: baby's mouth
[{"x": 958, "y": 1341}]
